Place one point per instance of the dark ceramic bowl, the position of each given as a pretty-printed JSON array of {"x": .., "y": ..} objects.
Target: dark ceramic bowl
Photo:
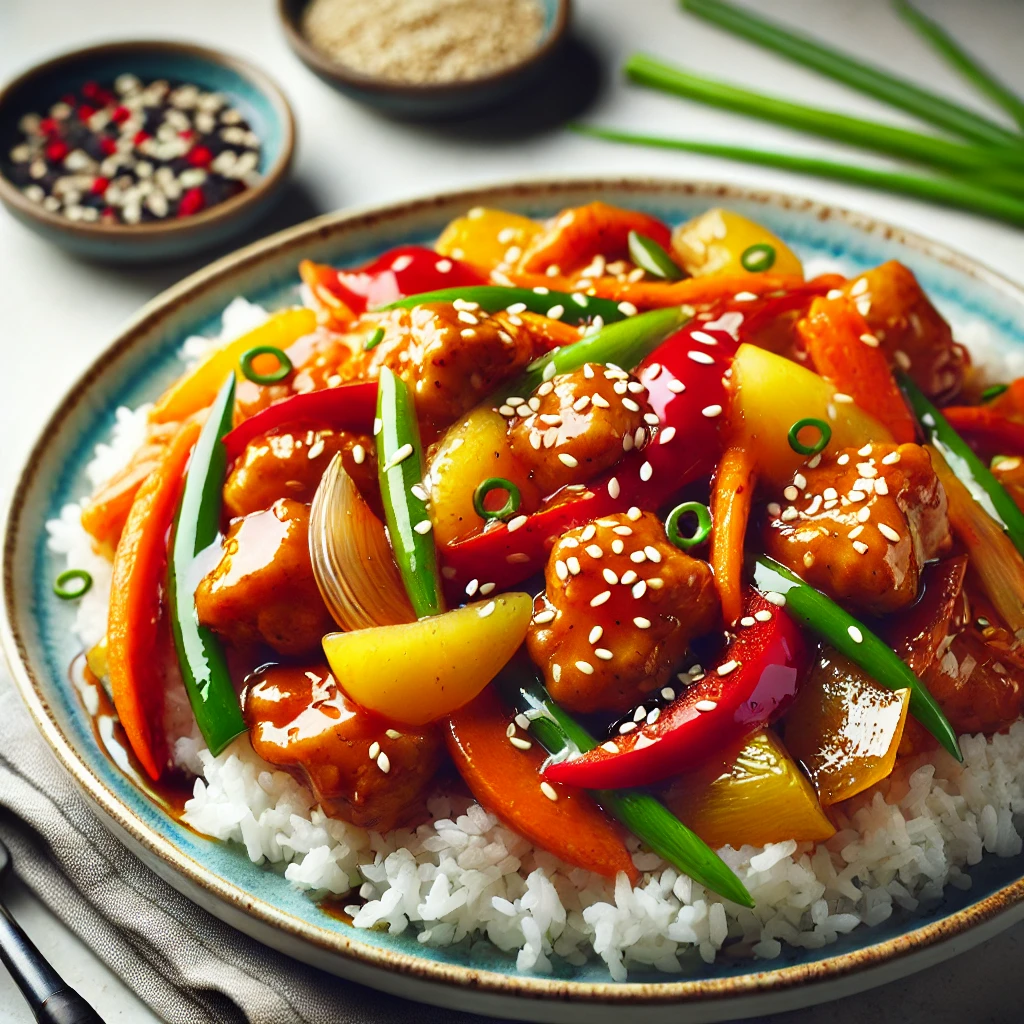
[
  {"x": 260, "y": 101},
  {"x": 431, "y": 101}
]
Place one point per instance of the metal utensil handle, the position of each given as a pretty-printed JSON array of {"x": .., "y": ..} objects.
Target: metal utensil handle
[{"x": 51, "y": 1000}]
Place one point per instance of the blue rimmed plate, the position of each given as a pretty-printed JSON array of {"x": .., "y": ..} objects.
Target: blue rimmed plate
[{"x": 37, "y": 637}]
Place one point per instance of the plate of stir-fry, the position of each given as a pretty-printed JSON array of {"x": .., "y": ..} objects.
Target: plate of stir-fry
[{"x": 549, "y": 590}]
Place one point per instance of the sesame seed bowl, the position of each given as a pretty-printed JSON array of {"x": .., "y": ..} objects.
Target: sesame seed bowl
[
  {"x": 494, "y": 62},
  {"x": 142, "y": 150}
]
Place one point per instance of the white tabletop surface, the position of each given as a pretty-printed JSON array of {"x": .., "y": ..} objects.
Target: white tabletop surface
[{"x": 59, "y": 312}]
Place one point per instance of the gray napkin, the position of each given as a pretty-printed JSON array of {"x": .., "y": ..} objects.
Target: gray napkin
[{"x": 188, "y": 966}]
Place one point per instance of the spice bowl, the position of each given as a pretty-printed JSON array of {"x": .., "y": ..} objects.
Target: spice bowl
[
  {"x": 178, "y": 185},
  {"x": 429, "y": 100}
]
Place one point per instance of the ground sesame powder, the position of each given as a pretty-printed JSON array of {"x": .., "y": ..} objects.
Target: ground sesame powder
[{"x": 424, "y": 41}]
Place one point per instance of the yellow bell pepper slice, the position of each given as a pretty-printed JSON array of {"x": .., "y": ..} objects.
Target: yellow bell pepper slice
[
  {"x": 845, "y": 729},
  {"x": 722, "y": 242},
  {"x": 197, "y": 389},
  {"x": 419, "y": 672},
  {"x": 485, "y": 236},
  {"x": 755, "y": 794},
  {"x": 770, "y": 393}
]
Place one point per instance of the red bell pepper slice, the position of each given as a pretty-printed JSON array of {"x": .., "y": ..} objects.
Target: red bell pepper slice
[
  {"x": 687, "y": 390},
  {"x": 751, "y": 684},
  {"x": 397, "y": 274},
  {"x": 987, "y": 428},
  {"x": 349, "y": 407}
]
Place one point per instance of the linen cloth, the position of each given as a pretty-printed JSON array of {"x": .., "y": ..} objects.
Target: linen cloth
[{"x": 187, "y": 965}]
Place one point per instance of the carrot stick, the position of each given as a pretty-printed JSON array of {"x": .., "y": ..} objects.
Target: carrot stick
[
  {"x": 507, "y": 781},
  {"x": 140, "y": 563},
  {"x": 731, "y": 499},
  {"x": 834, "y": 333},
  {"x": 690, "y": 291},
  {"x": 983, "y": 425}
]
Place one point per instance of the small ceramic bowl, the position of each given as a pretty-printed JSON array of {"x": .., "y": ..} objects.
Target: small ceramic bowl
[
  {"x": 434, "y": 100},
  {"x": 248, "y": 89}
]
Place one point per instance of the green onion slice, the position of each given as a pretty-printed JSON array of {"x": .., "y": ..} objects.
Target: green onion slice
[
  {"x": 651, "y": 257},
  {"x": 758, "y": 258},
  {"x": 688, "y": 508},
  {"x": 993, "y": 391},
  {"x": 497, "y": 483},
  {"x": 72, "y": 584},
  {"x": 373, "y": 340},
  {"x": 824, "y": 436},
  {"x": 284, "y": 365}
]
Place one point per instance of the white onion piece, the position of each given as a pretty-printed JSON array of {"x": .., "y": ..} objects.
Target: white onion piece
[{"x": 352, "y": 560}]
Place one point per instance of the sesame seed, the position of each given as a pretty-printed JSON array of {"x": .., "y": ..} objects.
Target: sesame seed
[
  {"x": 633, "y": 513},
  {"x": 726, "y": 667},
  {"x": 609, "y": 576},
  {"x": 541, "y": 290},
  {"x": 668, "y": 693},
  {"x": 640, "y": 714},
  {"x": 568, "y": 460},
  {"x": 789, "y": 514},
  {"x": 627, "y": 443},
  {"x": 866, "y": 470},
  {"x": 646, "y": 472},
  {"x": 548, "y": 372},
  {"x": 902, "y": 359},
  {"x": 585, "y": 667},
  {"x": 855, "y": 532},
  {"x": 641, "y": 623},
  {"x": 711, "y": 411},
  {"x": 417, "y": 492},
  {"x": 522, "y": 721},
  {"x": 843, "y": 459},
  {"x": 516, "y": 523},
  {"x": 541, "y": 617},
  {"x": 774, "y": 508},
  {"x": 639, "y": 589},
  {"x": 627, "y": 727},
  {"x": 866, "y": 450},
  {"x": 704, "y": 338},
  {"x": 603, "y": 653},
  {"x": 486, "y": 588},
  {"x": 881, "y": 487},
  {"x": 423, "y": 527},
  {"x": 471, "y": 588},
  {"x": 601, "y": 402},
  {"x": 791, "y": 493},
  {"x": 842, "y": 398},
  {"x": 573, "y": 564},
  {"x": 667, "y": 434},
  {"x": 548, "y": 790},
  {"x": 610, "y": 747},
  {"x": 629, "y": 577},
  {"x": 400, "y": 456},
  {"x": 800, "y": 480},
  {"x": 374, "y": 750},
  {"x": 589, "y": 532},
  {"x": 864, "y": 514},
  {"x": 520, "y": 743},
  {"x": 812, "y": 509},
  {"x": 629, "y": 404},
  {"x": 701, "y": 357},
  {"x": 855, "y": 634},
  {"x": 639, "y": 436},
  {"x": 677, "y": 387},
  {"x": 392, "y": 734},
  {"x": 594, "y": 551},
  {"x": 556, "y": 672},
  {"x": 620, "y": 387},
  {"x": 705, "y": 705},
  {"x": 510, "y": 731},
  {"x": 637, "y": 556},
  {"x": 652, "y": 553},
  {"x": 830, "y": 494},
  {"x": 891, "y": 459},
  {"x": 888, "y": 532},
  {"x": 808, "y": 559},
  {"x": 487, "y": 609},
  {"x": 384, "y": 762},
  {"x": 561, "y": 570},
  {"x": 378, "y": 425},
  {"x": 870, "y": 340},
  {"x": 747, "y": 620},
  {"x": 860, "y": 286},
  {"x": 772, "y": 597},
  {"x": 556, "y": 312},
  {"x": 860, "y": 547},
  {"x": 814, "y": 462},
  {"x": 570, "y": 542},
  {"x": 600, "y": 599}
]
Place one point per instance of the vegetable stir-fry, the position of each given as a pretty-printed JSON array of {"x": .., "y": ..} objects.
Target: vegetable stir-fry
[{"x": 631, "y": 524}]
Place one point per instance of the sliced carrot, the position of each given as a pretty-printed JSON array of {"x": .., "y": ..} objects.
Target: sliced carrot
[
  {"x": 507, "y": 781},
  {"x": 833, "y": 334},
  {"x": 579, "y": 234},
  {"x": 983, "y": 425},
  {"x": 690, "y": 291},
  {"x": 731, "y": 498},
  {"x": 140, "y": 563}
]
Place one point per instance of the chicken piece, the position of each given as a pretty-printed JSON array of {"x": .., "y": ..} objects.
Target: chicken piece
[
  {"x": 861, "y": 524},
  {"x": 359, "y": 768},
  {"x": 450, "y": 354},
  {"x": 912, "y": 332},
  {"x": 262, "y": 590},
  {"x": 620, "y": 607},
  {"x": 580, "y": 424},
  {"x": 290, "y": 464},
  {"x": 1009, "y": 472}
]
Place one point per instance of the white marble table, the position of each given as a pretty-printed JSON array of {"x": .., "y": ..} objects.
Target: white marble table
[{"x": 59, "y": 312}]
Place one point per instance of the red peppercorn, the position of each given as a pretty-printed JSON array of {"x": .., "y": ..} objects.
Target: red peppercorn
[
  {"x": 90, "y": 90},
  {"x": 191, "y": 202},
  {"x": 108, "y": 145},
  {"x": 48, "y": 126},
  {"x": 199, "y": 156},
  {"x": 120, "y": 115},
  {"x": 56, "y": 150},
  {"x": 140, "y": 138},
  {"x": 70, "y": 99},
  {"x": 186, "y": 134},
  {"x": 99, "y": 186},
  {"x": 85, "y": 112}
]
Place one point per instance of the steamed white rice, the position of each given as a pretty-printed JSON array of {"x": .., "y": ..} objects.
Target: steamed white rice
[{"x": 464, "y": 876}]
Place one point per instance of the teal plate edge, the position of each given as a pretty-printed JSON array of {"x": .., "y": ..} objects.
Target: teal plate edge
[{"x": 139, "y": 363}]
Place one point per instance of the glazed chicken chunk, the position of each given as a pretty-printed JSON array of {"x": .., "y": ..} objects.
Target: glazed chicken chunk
[
  {"x": 579, "y": 423},
  {"x": 910, "y": 329},
  {"x": 262, "y": 590},
  {"x": 291, "y": 463},
  {"x": 450, "y": 354},
  {"x": 861, "y": 524},
  {"x": 620, "y": 607},
  {"x": 359, "y": 768}
]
